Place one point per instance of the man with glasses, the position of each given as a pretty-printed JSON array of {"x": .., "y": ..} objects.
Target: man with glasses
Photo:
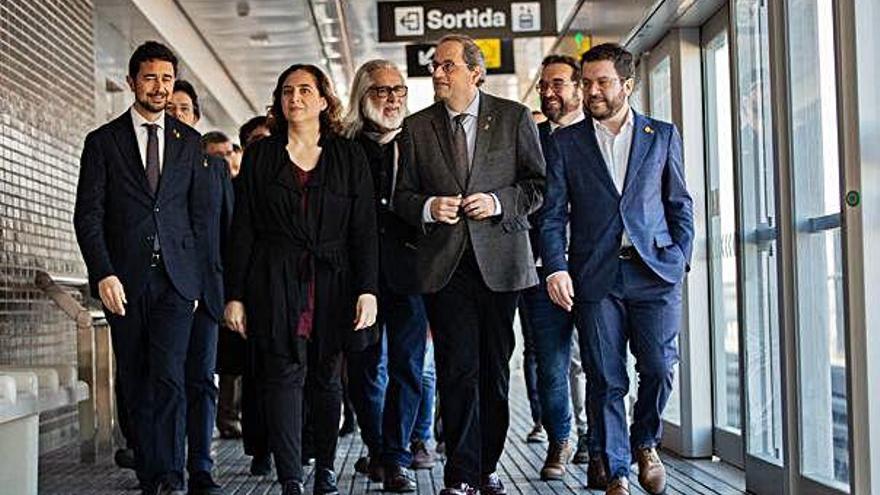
[
  {"x": 376, "y": 110},
  {"x": 618, "y": 180},
  {"x": 469, "y": 180},
  {"x": 548, "y": 326}
]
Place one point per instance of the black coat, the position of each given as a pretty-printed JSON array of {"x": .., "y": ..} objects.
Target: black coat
[
  {"x": 274, "y": 248},
  {"x": 117, "y": 216},
  {"x": 214, "y": 183}
]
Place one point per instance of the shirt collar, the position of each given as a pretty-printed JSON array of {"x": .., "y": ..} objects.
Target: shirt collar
[
  {"x": 579, "y": 116},
  {"x": 472, "y": 109},
  {"x": 627, "y": 124},
  {"x": 139, "y": 119}
]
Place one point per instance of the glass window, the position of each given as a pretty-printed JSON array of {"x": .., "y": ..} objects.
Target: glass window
[
  {"x": 722, "y": 234},
  {"x": 758, "y": 235},
  {"x": 820, "y": 301}
]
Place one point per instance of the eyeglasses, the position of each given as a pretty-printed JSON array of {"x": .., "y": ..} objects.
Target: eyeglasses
[
  {"x": 384, "y": 92},
  {"x": 557, "y": 86},
  {"x": 446, "y": 66},
  {"x": 603, "y": 82}
]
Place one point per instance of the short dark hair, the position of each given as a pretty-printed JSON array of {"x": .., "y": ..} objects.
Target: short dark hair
[
  {"x": 186, "y": 87},
  {"x": 151, "y": 50},
  {"x": 470, "y": 53},
  {"x": 567, "y": 60},
  {"x": 248, "y": 127},
  {"x": 213, "y": 137},
  {"x": 330, "y": 118},
  {"x": 622, "y": 59}
]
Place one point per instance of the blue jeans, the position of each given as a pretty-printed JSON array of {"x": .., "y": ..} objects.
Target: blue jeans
[
  {"x": 645, "y": 312},
  {"x": 367, "y": 382},
  {"x": 552, "y": 329},
  {"x": 406, "y": 325},
  {"x": 425, "y": 419}
]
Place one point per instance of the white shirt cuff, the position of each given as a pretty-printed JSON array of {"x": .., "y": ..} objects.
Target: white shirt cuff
[
  {"x": 426, "y": 211},
  {"x": 497, "y": 204}
]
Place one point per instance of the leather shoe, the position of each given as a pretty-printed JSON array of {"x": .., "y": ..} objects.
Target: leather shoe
[
  {"x": 201, "y": 483},
  {"x": 582, "y": 453},
  {"x": 325, "y": 482},
  {"x": 124, "y": 458},
  {"x": 398, "y": 480},
  {"x": 293, "y": 488},
  {"x": 422, "y": 457},
  {"x": 492, "y": 485},
  {"x": 163, "y": 489},
  {"x": 558, "y": 454},
  {"x": 261, "y": 465},
  {"x": 618, "y": 486},
  {"x": 652, "y": 474},
  {"x": 537, "y": 435},
  {"x": 370, "y": 466},
  {"x": 459, "y": 489},
  {"x": 597, "y": 476}
]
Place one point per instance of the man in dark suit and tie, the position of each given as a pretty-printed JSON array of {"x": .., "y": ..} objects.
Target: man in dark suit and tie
[
  {"x": 617, "y": 179},
  {"x": 138, "y": 220},
  {"x": 470, "y": 178}
]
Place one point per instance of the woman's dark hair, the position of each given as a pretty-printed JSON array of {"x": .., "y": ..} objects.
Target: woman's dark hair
[
  {"x": 622, "y": 59},
  {"x": 151, "y": 50},
  {"x": 186, "y": 87},
  {"x": 248, "y": 127},
  {"x": 331, "y": 117}
]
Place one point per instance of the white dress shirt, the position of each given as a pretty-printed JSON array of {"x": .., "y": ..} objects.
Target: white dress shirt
[
  {"x": 615, "y": 151},
  {"x": 141, "y": 134}
]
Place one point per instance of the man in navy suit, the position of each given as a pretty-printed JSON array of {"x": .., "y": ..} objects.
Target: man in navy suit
[
  {"x": 201, "y": 357},
  {"x": 617, "y": 179},
  {"x": 138, "y": 220}
]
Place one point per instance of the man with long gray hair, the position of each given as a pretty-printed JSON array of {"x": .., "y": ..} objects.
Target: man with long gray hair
[{"x": 376, "y": 111}]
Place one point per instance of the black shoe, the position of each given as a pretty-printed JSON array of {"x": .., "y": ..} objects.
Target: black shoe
[
  {"x": 459, "y": 489},
  {"x": 201, "y": 483},
  {"x": 492, "y": 485},
  {"x": 325, "y": 482},
  {"x": 370, "y": 466},
  {"x": 124, "y": 458},
  {"x": 261, "y": 465},
  {"x": 348, "y": 427},
  {"x": 163, "y": 489},
  {"x": 582, "y": 453},
  {"x": 293, "y": 488},
  {"x": 398, "y": 480}
]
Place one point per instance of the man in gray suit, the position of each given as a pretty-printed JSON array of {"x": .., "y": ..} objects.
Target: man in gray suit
[{"x": 471, "y": 173}]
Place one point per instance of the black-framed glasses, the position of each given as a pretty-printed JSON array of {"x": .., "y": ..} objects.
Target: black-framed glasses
[
  {"x": 384, "y": 91},
  {"x": 557, "y": 85},
  {"x": 603, "y": 82},
  {"x": 447, "y": 66}
]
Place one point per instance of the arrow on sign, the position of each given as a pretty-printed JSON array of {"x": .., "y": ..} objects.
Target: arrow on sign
[
  {"x": 425, "y": 57},
  {"x": 411, "y": 21}
]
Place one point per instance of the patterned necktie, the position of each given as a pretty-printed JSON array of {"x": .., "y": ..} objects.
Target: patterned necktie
[
  {"x": 152, "y": 156},
  {"x": 460, "y": 147}
]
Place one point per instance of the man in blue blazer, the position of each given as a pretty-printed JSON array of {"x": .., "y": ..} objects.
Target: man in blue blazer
[
  {"x": 617, "y": 179},
  {"x": 138, "y": 221}
]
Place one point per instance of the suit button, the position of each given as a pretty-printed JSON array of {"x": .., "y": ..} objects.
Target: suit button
[
  {"x": 156, "y": 209},
  {"x": 383, "y": 201}
]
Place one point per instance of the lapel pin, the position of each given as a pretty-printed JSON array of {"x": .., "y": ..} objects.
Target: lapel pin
[
  {"x": 177, "y": 136},
  {"x": 205, "y": 163},
  {"x": 649, "y": 129}
]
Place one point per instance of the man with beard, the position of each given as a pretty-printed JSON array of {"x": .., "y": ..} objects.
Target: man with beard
[
  {"x": 473, "y": 174},
  {"x": 387, "y": 416},
  {"x": 138, "y": 219},
  {"x": 548, "y": 327},
  {"x": 618, "y": 179}
]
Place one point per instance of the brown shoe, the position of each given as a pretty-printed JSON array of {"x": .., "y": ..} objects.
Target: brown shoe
[
  {"x": 558, "y": 455},
  {"x": 618, "y": 486},
  {"x": 652, "y": 474},
  {"x": 597, "y": 476},
  {"x": 422, "y": 458}
]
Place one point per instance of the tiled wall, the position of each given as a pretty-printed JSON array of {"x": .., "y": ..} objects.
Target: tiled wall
[{"x": 47, "y": 102}]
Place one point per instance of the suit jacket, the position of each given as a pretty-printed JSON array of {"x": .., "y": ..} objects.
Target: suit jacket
[
  {"x": 507, "y": 162},
  {"x": 397, "y": 238},
  {"x": 117, "y": 216},
  {"x": 278, "y": 248},
  {"x": 654, "y": 209},
  {"x": 535, "y": 218},
  {"x": 215, "y": 184}
]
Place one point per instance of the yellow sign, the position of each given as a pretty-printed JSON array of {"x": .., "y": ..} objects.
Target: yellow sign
[{"x": 491, "y": 49}]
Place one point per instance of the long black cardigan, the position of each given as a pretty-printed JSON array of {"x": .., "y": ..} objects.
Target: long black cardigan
[{"x": 274, "y": 248}]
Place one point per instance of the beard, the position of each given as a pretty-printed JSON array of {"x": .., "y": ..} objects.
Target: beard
[
  {"x": 612, "y": 106},
  {"x": 555, "y": 113},
  {"x": 147, "y": 103},
  {"x": 375, "y": 114}
]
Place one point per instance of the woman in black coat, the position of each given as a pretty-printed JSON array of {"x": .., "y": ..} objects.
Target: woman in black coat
[{"x": 303, "y": 267}]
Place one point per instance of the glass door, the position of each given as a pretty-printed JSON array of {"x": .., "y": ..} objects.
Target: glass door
[{"x": 722, "y": 235}]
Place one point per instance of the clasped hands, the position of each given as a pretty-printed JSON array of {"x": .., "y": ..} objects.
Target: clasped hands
[{"x": 477, "y": 206}]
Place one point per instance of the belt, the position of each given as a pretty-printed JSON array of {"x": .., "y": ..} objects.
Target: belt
[
  {"x": 155, "y": 259},
  {"x": 627, "y": 253}
]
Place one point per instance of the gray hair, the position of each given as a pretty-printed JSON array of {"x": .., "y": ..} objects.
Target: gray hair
[
  {"x": 470, "y": 52},
  {"x": 353, "y": 121}
]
